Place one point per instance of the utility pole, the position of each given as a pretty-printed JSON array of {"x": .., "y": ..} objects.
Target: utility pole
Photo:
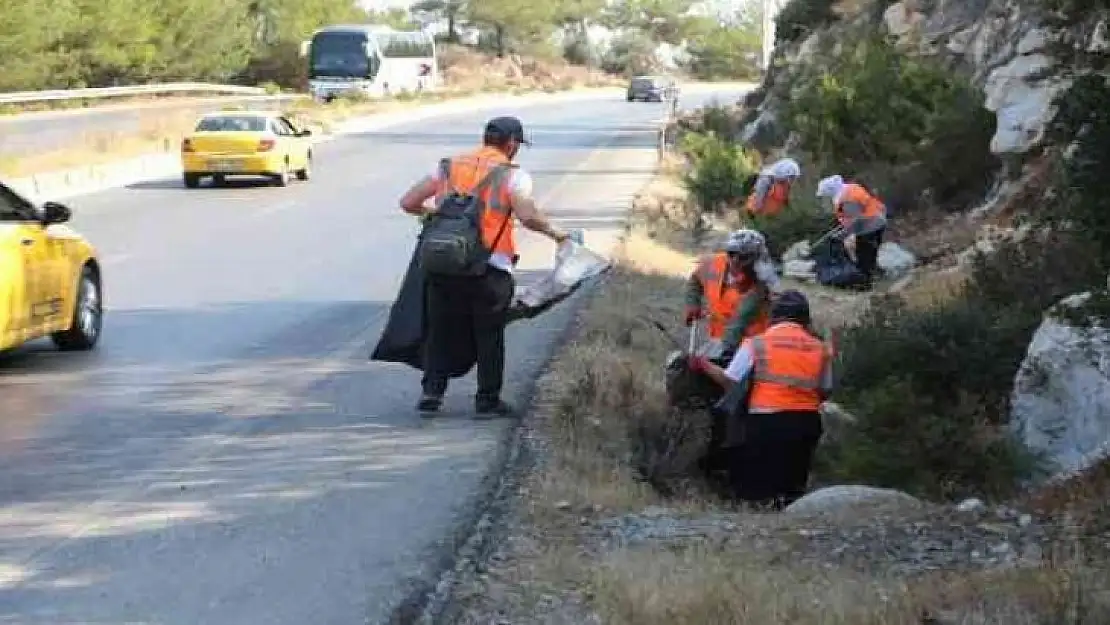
[{"x": 769, "y": 9}]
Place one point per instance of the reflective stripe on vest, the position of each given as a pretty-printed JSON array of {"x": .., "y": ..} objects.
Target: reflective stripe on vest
[
  {"x": 788, "y": 363},
  {"x": 463, "y": 173}
]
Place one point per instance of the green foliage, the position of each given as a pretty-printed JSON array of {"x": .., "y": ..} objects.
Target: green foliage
[
  {"x": 1082, "y": 202},
  {"x": 873, "y": 111},
  {"x": 801, "y": 220},
  {"x": 934, "y": 383},
  {"x": 801, "y": 17},
  {"x": 630, "y": 54},
  {"x": 718, "y": 171},
  {"x": 725, "y": 53},
  {"x": 658, "y": 20}
]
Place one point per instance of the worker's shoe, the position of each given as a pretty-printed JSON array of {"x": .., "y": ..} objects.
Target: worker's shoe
[
  {"x": 429, "y": 403},
  {"x": 492, "y": 408}
]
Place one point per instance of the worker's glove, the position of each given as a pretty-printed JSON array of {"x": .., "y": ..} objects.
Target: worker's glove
[
  {"x": 698, "y": 364},
  {"x": 693, "y": 313}
]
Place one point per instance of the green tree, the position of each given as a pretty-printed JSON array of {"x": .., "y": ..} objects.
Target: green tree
[
  {"x": 728, "y": 50},
  {"x": 394, "y": 17},
  {"x": 451, "y": 10},
  {"x": 659, "y": 20},
  {"x": 512, "y": 20}
]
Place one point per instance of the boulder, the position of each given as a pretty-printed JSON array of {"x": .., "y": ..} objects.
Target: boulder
[
  {"x": 836, "y": 499},
  {"x": 895, "y": 261},
  {"x": 800, "y": 269},
  {"x": 1060, "y": 406},
  {"x": 799, "y": 251}
]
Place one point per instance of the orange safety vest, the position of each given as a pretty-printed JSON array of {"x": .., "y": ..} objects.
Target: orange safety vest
[
  {"x": 463, "y": 174},
  {"x": 787, "y": 369},
  {"x": 723, "y": 298},
  {"x": 773, "y": 203},
  {"x": 872, "y": 206}
]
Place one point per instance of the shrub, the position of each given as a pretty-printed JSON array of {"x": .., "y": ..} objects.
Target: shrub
[
  {"x": 878, "y": 114},
  {"x": 934, "y": 383},
  {"x": 724, "y": 52},
  {"x": 718, "y": 171},
  {"x": 801, "y": 220}
]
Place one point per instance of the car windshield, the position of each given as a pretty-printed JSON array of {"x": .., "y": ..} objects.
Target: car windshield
[
  {"x": 13, "y": 207},
  {"x": 232, "y": 123},
  {"x": 643, "y": 83}
]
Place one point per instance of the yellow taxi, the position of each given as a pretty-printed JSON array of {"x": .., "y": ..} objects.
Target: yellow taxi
[
  {"x": 246, "y": 143},
  {"x": 50, "y": 281}
]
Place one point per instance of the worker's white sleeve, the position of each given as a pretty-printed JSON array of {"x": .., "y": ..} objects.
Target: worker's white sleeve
[{"x": 741, "y": 364}]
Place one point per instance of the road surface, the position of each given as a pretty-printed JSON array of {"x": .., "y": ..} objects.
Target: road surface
[{"x": 229, "y": 456}]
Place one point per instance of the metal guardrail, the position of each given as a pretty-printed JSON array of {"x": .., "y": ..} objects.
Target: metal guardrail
[{"x": 28, "y": 97}]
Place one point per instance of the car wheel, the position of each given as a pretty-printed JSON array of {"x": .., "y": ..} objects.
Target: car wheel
[
  {"x": 306, "y": 173},
  {"x": 88, "y": 316},
  {"x": 192, "y": 181},
  {"x": 219, "y": 180},
  {"x": 282, "y": 179}
]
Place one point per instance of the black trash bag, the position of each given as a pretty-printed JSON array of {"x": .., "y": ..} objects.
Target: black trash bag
[
  {"x": 833, "y": 267},
  {"x": 688, "y": 389},
  {"x": 402, "y": 340}
]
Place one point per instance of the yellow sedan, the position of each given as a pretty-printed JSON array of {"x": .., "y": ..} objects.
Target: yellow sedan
[
  {"x": 50, "y": 281},
  {"x": 246, "y": 143}
]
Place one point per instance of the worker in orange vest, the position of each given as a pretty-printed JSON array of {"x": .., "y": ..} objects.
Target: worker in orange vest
[
  {"x": 772, "y": 188},
  {"x": 732, "y": 288},
  {"x": 862, "y": 218},
  {"x": 470, "y": 311},
  {"x": 787, "y": 373}
]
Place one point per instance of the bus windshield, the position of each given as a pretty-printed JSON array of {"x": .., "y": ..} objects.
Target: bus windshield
[{"x": 340, "y": 55}]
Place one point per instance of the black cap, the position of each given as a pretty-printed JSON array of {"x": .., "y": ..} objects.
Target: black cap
[
  {"x": 791, "y": 305},
  {"x": 506, "y": 128}
]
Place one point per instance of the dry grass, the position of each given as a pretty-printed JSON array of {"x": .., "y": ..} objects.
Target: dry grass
[
  {"x": 607, "y": 437},
  {"x": 466, "y": 73}
]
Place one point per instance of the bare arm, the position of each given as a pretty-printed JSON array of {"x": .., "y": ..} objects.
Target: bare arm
[
  {"x": 412, "y": 202},
  {"x": 530, "y": 217}
]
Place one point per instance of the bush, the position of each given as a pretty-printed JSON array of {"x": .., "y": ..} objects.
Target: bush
[
  {"x": 718, "y": 171},
  {"x": 801, "y": 220},
  {"x": 879, "y": 115},
  {"x": 935, "y": 383}
]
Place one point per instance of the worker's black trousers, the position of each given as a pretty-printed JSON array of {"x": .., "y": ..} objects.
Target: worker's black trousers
[
  {"x": 467, "y": 315},
  {"x": 773, "y": 463},
  {"x": 867, "y": 253}
]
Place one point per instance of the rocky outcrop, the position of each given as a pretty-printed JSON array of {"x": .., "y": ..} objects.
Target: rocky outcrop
[
  {"x": 1060, "y": 407},
  {"x": 834, "y": 499}
]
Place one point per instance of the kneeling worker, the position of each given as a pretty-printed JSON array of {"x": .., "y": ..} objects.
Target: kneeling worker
[
  {"x": 788, "y": 373},
  {"x": 772, "y": 188},
  {"x": 734, "y": 286}
]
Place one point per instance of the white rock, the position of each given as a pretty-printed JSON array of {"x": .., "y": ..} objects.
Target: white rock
[
  {"x": 894, "y": 260},
  {"x": 799, "y": 251},
  {"x": 800, "y": 269},
  {"x": 972, "y": 505},
  {"x": 838, "y": 498},
  {"x": 1033, "y": 41},
  {"x": 1099, "y": 42},
  {"x": 1022, "y": 101},
  {"x": 1060, "y": 406},
  {"x": 901, "y": 20}
]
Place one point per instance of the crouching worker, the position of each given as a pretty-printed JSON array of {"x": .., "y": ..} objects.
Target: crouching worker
[
  {"x": 732, "y": 289},
  {"x": 862, "y": 217},
  {"x": 772, "y": 188},
  {"x": 786, "y": 373}
]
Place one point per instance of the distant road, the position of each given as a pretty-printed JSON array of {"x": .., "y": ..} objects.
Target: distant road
[{"x": 46, "y": 131}]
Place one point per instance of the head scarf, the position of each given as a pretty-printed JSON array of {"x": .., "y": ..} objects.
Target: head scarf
[{"x": 784, "y": 168}]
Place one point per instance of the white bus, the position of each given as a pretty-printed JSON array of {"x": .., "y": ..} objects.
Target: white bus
[{"x": 373, "y": 59}]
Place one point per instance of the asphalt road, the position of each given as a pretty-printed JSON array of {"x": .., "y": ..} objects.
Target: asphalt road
[{"x": 229, "y": 456}]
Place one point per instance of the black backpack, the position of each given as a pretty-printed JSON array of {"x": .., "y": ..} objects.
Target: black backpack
[{"x": 451, "y": 243}]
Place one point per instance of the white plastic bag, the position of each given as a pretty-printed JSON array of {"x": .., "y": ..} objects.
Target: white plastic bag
[{"x": 574, "y": 264}]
